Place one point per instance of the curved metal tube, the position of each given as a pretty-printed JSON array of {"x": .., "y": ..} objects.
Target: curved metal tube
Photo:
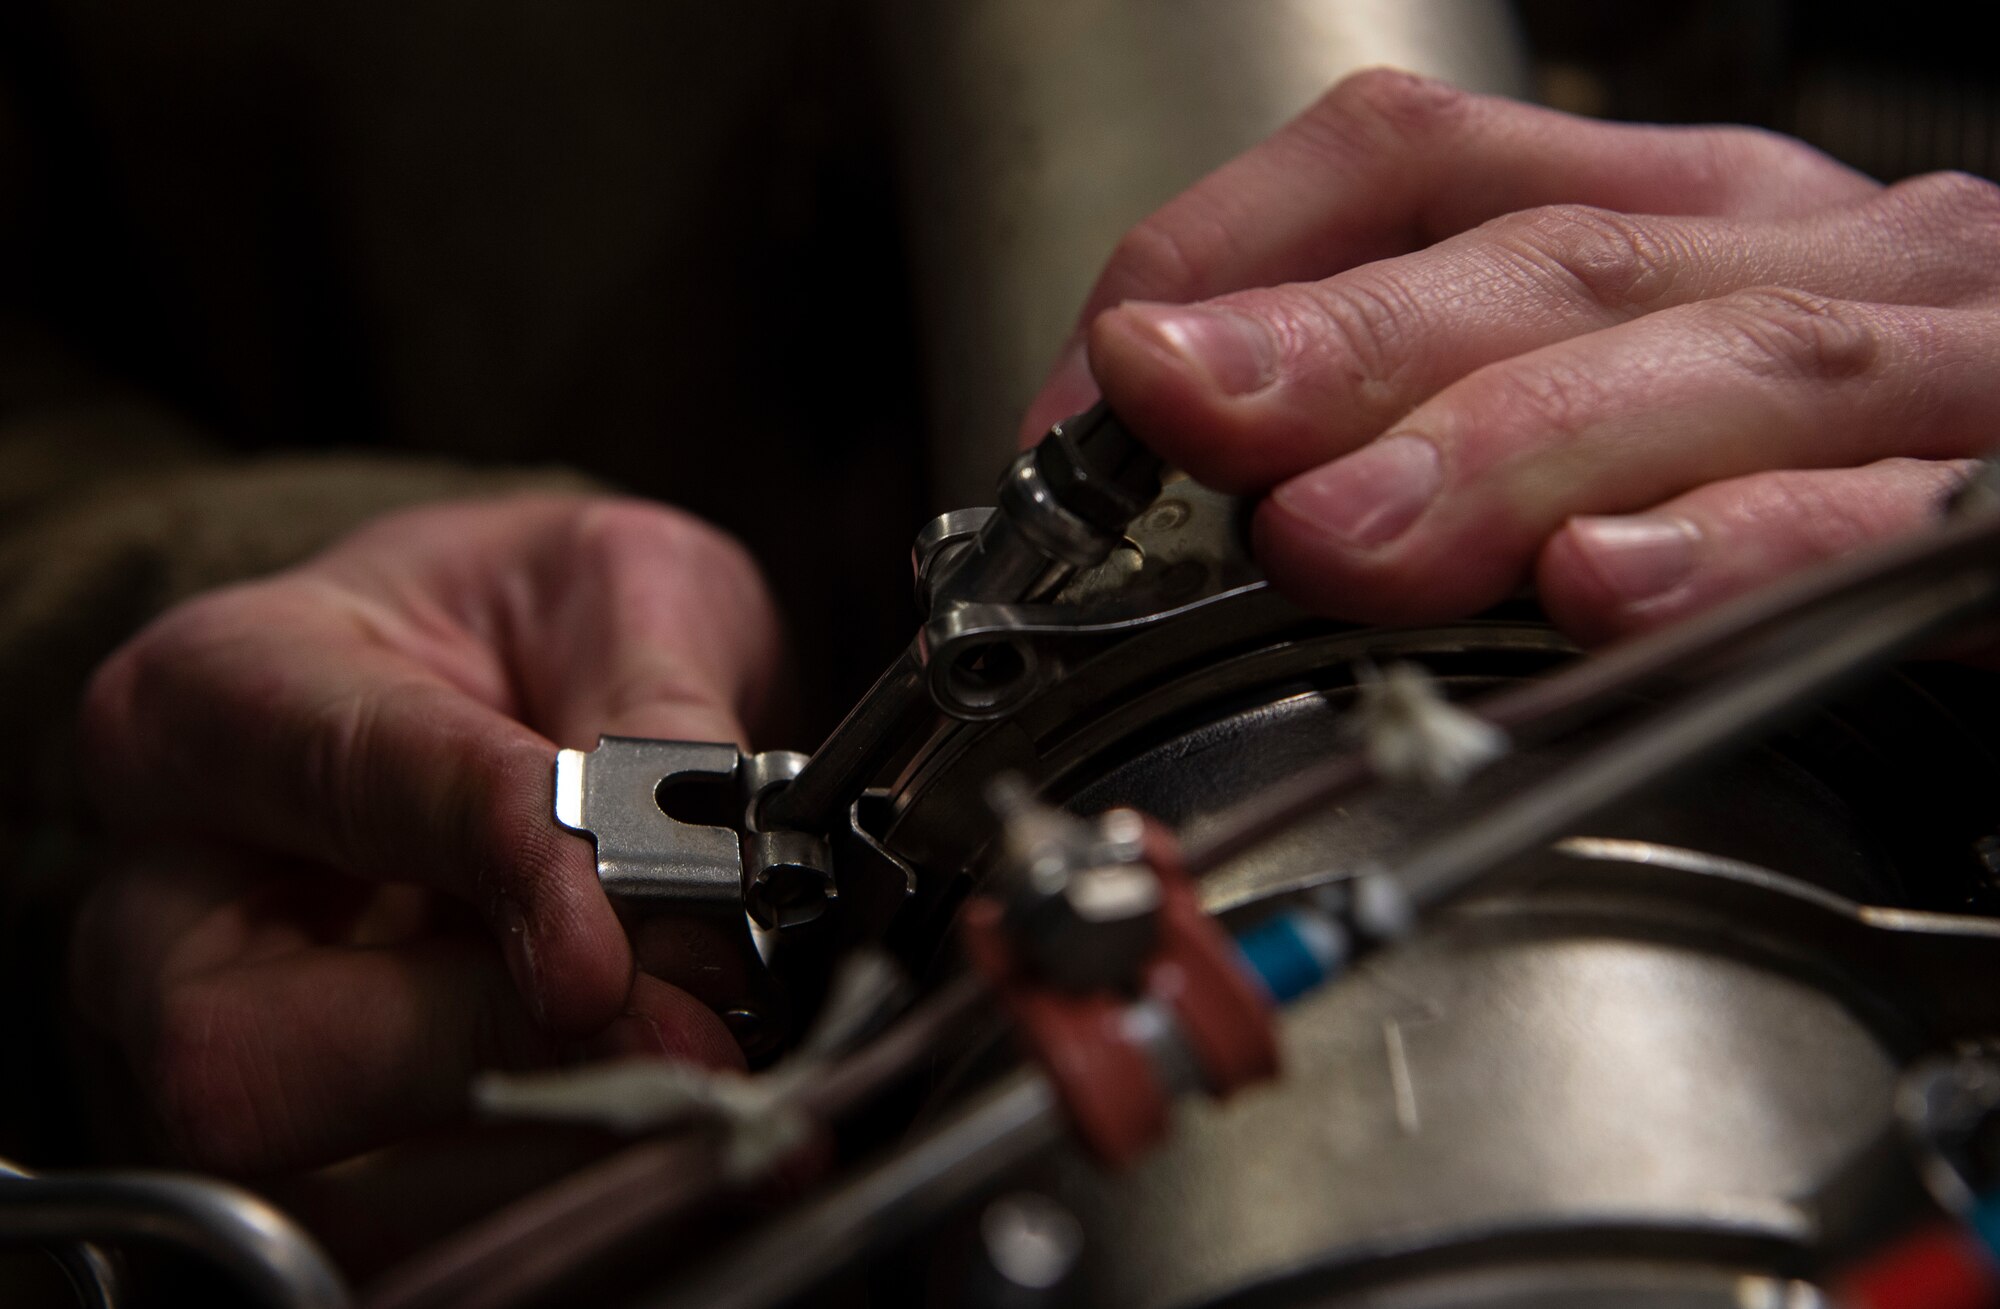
[
  {"x": 263, "y": 1250},
  {"x": 91, "y": 1273}
]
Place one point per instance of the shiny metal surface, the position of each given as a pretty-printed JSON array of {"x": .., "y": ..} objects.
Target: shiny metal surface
[
  {"x": 787, "y": 875},
  {"x": 1081, "y": 477},
  {"x": 644, "y": 855},
  {"x": 1624, "y": 1033},
  {"x": 1499, "y": 1071},
  {"x": 1038, "y": 133},
  {"x": 263, "y": 1251},
  {"x": 680, "y": 882},
  {"x": 1025, "y": 496},
  {"x": 1640, "y": 1033},
  {"x": 858, "y": 748},
  {"x": 1030, "y": 1242},
  {"x": 92, "y": 1273},
  {"x": 1738, "y": 709},
  {"x": 936, "y": 547},
  {"x": 1081, "y": 909}
]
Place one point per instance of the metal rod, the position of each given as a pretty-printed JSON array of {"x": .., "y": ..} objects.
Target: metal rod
[
  {"x": 92, "y": 1274},
  {"x": 1592, "y": 687},
  {"x": 259, "y": 1247},
  {"x": 1011, "y": 1122},
  {"x": 845, "y": 763},
  {"x": 1090, "y": 477},
  {"x": 1846, "y": 643}
]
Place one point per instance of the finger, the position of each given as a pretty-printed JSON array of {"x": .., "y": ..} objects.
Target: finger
[
  {"x": 364, "y": 712},
  {"x": 1387, "y": 162},
  {"x": 267, "y": 1044},
  {"x": 1252, "y": 387},
  {"x": 249, "y": 714},
  {"x": 315, "y": 1056},
  {"x": 1443, "y": 515},
  {"x": 666, "y": 1022},
  {"x": 646, "y": 622},
  {"x": 259, "y": 1039},
  {"x": 1601, "y": 577}
]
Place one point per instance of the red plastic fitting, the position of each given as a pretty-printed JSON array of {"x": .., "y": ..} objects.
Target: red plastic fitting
[{"x": 1106, "y": 1079}]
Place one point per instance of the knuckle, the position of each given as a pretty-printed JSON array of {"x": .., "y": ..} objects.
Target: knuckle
[
  {"x": 123, "y": 704},
  {"x": 1795, "y": 334},
  {"x": 1618, "y": 263},
  {"x": 1155, "y": 260},
  {"x": 1378, "y": 100},
  {"x": 1732, "y": 150},
  {"x": 1556, "y": 403},
  {"x": 1953, "y": 204},
  {"x": 1716, "y": 160},
  {"x": 354, "y": 770},
  {"x": 616, "y": 531}
]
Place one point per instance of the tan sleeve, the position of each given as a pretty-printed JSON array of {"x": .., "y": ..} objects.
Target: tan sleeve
[{"x": 94, "y": 559}]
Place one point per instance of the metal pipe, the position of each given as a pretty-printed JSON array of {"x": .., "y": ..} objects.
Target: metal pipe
[
  {"x": 92, "y": 1274},
  {"x": 855, "y": 751},
  {"x": 259, "y": 1247},
  {"x": 1590, "y": 688},
  {"x": 1844, "y": 644}
]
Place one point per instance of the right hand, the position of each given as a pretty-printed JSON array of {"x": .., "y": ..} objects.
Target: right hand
[{"x": 1452, "y": 342}]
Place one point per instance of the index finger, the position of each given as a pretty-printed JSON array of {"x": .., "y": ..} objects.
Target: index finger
[
  {"x": 1388, "y": 162},
  {"x": 259, "y": 714}
]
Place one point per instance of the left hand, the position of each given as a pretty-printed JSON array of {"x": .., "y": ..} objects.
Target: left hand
[
  {"x": 348, "y": 892},
  {"x": 1456, "y": 341}
]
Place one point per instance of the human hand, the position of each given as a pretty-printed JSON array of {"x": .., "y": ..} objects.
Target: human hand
[
  {"x": 1455, "y": 341},
  {"x": 340, "y": 778}
]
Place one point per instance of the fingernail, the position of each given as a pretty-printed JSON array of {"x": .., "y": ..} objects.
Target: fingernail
[
  {"x": 518, "y": 944},
  {"x": 1371, "y": 497},
  {"x": 1638, "y": 556},
  {"x": 1236, "y": 351}
]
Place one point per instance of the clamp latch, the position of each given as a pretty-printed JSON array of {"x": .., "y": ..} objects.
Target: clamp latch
[
  {"x": 695, "y": 875},
  {"x": 629, "y": 795}
]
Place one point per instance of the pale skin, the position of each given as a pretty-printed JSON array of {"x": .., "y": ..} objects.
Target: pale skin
[
  {"x": 1456, "y": 343},
  {"x": 1451, "y": 344},
  {"x": 341, "y": 780}
]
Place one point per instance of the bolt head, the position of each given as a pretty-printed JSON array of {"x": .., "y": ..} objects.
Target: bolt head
[{"x": 1093, "y": 932}]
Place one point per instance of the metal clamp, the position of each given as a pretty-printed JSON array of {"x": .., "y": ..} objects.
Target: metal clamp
[
  {"x": 624, "y": 796},
  {"x": 686, "y": 862},
  {"x": 1185, "y": 1016},
  {"x": 984, "y": 658}
]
